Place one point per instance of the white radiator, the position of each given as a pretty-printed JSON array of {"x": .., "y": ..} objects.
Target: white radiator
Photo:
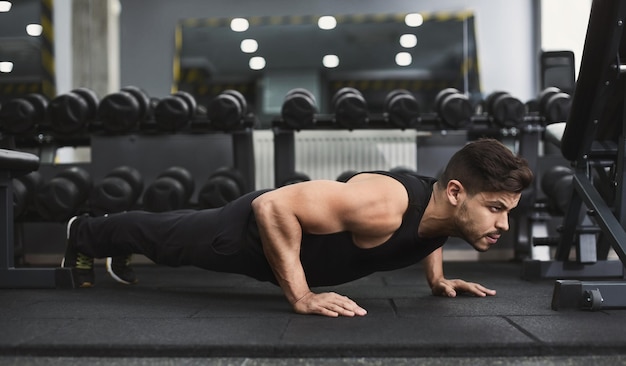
[{"x": 326, "y": 154}]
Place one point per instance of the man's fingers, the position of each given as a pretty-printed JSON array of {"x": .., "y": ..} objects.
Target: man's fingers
[{"x": 329, "y": 304}]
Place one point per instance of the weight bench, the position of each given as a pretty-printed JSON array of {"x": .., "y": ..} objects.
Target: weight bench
[
  {"x": 13, "y": 164},
  {"x": 594, "y": 140}
]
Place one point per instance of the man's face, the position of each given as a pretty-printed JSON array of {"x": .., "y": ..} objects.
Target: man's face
[{"x": 483, "y": 217}]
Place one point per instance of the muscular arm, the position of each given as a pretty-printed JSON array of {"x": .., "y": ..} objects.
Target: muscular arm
[{"x": 322, "y": 207}]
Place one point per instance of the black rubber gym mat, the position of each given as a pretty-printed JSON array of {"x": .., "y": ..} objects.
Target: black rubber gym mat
[{"x": 186, "y": 312}]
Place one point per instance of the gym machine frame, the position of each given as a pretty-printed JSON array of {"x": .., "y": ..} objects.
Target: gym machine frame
[
  {"x": 594, "y": 139},
  {"x": 14, "y": 163}
]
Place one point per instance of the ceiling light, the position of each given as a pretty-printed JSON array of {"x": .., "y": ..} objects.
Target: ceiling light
[
  {"x": 34, "y": 30},
  {"x": 408, "y": 40},
  {"x": 330, "y": 61},
  {"x": 403, "y": 59},
  {"x": 327, "y": 22},
  {"x": 249, "y": 46},
  {"x": 5, "y": 6},
  {"x": 257, "y": 63},
  {"x": 239, "y": 25},
  {"x": 414, "y": 20},
  {"x": 6, "y": 66}
]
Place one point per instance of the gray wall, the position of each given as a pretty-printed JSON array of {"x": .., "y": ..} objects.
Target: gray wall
[{"x": 505, "y": 34}]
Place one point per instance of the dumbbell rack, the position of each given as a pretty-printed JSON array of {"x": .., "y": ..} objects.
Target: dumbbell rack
[
  {"x": 284, "y": 136},
  {"x": 200, "y": 146},
  {"x": 10, "y": 276}
]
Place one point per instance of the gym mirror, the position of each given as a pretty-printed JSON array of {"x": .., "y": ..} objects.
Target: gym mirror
[
  {"x": 265, "y": 57},
  {"x": 26, "y": 60}
]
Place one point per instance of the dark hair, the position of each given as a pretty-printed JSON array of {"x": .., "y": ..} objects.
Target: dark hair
[{"x": 487, "y": 165}]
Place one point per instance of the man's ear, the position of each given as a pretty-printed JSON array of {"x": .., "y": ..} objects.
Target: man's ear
[{"x": 454, "y": 191}]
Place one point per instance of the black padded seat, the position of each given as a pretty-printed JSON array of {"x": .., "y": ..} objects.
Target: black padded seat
[{"x": 17, "y": 162}]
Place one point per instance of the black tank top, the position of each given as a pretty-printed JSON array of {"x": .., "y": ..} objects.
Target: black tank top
[{"x": 333, "y": 259}]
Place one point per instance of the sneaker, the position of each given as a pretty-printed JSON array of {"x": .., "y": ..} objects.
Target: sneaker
[
  {"x": 81, "y": 265},
  {"x": 119, "y": 268}
]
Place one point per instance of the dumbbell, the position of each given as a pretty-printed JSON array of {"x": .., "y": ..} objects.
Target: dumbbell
[
  {"x": 350, "y": 108},
  {"x": 227, "y": 110},
  {"x": 62, "y": 196},
  {"x": 22, "y": 115},
  {"x": 295, "y": 177},
  {"x": 346, "y": 175},
  {"x": 403, "y": 110},
  {"x": 557, "y": 183},
  {"x": 24, "y": 189},
  {"x": 222, "y": 187},
  {"x": 454, "y": 108},
  {"x": 122, "y": 111},
  {"x": 174, "y": 112},
  {"x": 170, "y": 191},
  {"x": 554, "y": 105},
  {"x": 506, "y": 110},
  {"x": 117, "y": 191},
  {"x": 299, "y": 108},
  {"x": 72, "y": 112}
]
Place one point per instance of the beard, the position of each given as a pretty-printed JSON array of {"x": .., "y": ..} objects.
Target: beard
[{"x": 468, "y": 231}]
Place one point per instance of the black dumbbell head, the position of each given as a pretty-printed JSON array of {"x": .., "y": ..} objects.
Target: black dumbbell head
[
  {"x": 172, "y": 113},
  {"x": 69, "y": 113},
  {"x": 91, "y": 98},
  {"x": 222, "y": 187},
  {"x": 455, "y": 111},
  {"x": 343, "y": 91},
  {"x": 18, "y": 116},
  {"x": 506, "y": 110},
  {"x": 299, "y": 109},
  {"x": 557, "y": 108},
  {"x": 403, "y": 110},
  {"x": 442, "y": 95},
  {"x": 242, "y": 100},
  {"x": 164, "y": 194},
  {"x": 119, "y": 112},
  {"x": 143, "y": 101},
  {"x": 61, "y": 197},
  {"x": 551, "y": 176},
  {"x": 117, "y": 191},
  {"x": 130, "y": 175},
  {"x": 111, "y": 195},
  {"x": 27, "y": 187},
  {"x": 225, "y": 112},
  {"x": 40, "y": 103},
  {"x": 350, "y": 108},
  {"x": 183, "y": 176}
]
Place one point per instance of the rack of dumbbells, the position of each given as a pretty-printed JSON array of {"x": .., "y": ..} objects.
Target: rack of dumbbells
[
  {"x": 146, "y": 154},
  {"x": 500, "y": 115}
]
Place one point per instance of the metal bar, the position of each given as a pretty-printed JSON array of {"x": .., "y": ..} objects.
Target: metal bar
[
  {"x": 6, "y": 221},
  {"x": 284, "y": 154},
  {"x": 603, "y": 215},
  {"x": 534, "y": 270},
  {"x": 243, "y": 156}
]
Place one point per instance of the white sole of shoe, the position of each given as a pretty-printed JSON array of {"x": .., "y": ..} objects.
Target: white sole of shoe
[
  {"x": 112, "y": 274},
  {"x": 67, "y": 236}
]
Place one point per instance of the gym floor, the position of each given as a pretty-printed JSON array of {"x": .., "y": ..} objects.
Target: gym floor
[{"x": 187, "y": 316}]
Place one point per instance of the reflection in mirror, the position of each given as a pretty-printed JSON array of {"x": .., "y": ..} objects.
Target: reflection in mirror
[
  {"x": 265, "y": 57},
  {"x": 26, "y": 49}
]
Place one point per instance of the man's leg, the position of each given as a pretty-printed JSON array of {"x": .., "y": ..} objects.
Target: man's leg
[{"x": 169, "y": 238}]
